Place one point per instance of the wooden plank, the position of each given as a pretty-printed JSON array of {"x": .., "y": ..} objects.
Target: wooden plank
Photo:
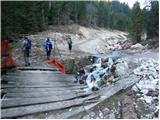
[
  {"x": 35, "y": 86},
  {"x": 37, "y": 80},
  {"x": 35, "y": 72},
  {"x": 73, "y": 88},
  {"x": 25, "y": 110},
  {"x": 37, "y": 75},
  {"x": 40, "y": 90},
  {"x": 42, "y": 83},
  {"x": 40, "y": 94},
  {"x": 16, "y": 102},
  {"x": 37, "y": 68}
]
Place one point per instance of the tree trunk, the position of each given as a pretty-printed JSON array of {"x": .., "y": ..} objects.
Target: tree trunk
[{"x": 75, "y": 16}]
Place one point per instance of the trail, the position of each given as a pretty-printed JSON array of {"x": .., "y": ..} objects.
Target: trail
[{"x": 93, "y": 41}]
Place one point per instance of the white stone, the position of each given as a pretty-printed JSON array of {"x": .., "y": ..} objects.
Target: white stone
[
  {"x": 134, "y": 88},
  {"x": 111, "y": 116},
  {"x": 148, "y": 99},
  {"x": 92, "y": 114},
  {"x": 122, "y": 68},
  {"x": 100, "y": 114},
  {"x": 137, "y": 46}
]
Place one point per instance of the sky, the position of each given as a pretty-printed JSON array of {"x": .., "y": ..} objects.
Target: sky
[{"x": 131, "y": 2}]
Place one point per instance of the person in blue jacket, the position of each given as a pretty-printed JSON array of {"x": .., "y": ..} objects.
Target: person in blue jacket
[{"x": 48, "y": 47}]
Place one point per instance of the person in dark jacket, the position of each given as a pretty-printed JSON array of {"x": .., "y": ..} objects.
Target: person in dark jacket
[
  {"x": 26, "y": 47},
  {"x": 69, "y": 41}
]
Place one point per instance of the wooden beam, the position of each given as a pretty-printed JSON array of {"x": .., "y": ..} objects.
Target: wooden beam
[
  {"x": 16, "y": 90},
  {"x": 15, "y": 102},
  {"x": 40, "y": 94},
  {"x": 37, "y": 68},
  {"x": 25, "y": 110},
  {"x": 36, "y": 86}
]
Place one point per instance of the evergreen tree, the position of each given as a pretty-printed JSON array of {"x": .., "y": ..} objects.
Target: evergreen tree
[
  {"x": 152, "y": 22},
  {"x": 32, "y": 16},
  {"x": 137, "y": 22}
]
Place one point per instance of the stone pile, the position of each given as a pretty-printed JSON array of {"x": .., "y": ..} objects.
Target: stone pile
[
  {"x": 147, "y": 89},
  {"x": 117, "y": 44}
]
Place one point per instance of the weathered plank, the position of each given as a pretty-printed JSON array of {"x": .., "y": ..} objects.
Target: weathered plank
[
  {"x": 16, "y": 90},
  {"x": 25, "y": 110},
  {"x": 36, "y": 76},
  {"x": 15, "y": 102},
  {"x": 38, "y": 80},
  {"x": 33, "y": 72},
  {"x": 37, "y": 68},
  {"x": 40, "y": 94},
  {"x": 35, "y": 86},
  {"x": 42, "y": 83},
  {"x": 119, "y": 85}
]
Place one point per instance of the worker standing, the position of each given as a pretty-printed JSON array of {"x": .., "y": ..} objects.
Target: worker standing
[{"x": 26, "y": 47}]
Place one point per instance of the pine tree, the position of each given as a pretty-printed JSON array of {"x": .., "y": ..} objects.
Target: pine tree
[
  {"x": 137, "y": 22},
  {"x": 153, "y": 20}
]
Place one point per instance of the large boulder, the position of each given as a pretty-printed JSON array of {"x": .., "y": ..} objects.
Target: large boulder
[
  {"x": 137, "y": 46},
  {"x": 76, "y": 64},
  {"x": 122, "y": 68}
]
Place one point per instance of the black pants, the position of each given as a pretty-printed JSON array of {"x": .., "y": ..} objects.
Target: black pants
[
  {"x": 26, "y": 56},
  {"x": 70, "y": 47},
  {"x": 48, "y": 54}
]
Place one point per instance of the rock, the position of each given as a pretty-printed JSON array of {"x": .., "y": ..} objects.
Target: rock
[
  {"x": 100, "y": 114},
  {"x": 111, "y": 116},
  {"x": 122, "y": 68},
  {"x": 134, "y": 88},
  {"x": 128, "y": 108},
  {"x": 90, "y": 68},
  {"x": 152, "y": 93},
  {"x": 76, "y": 64},
  {"x": 156, "y": 114},
  {"x": 105, "y": 60},
  {"x": 110, "y": 79},
  {"x": 86, "y": 117},
  {"x": 104, "y": 65},
  {"x": 137, "y": 46},
  {"x": 107, "y": 78},
  {"x": 69, "y": 66},
  {"x": 95, "y": 88},
  {"x": 144, "y": 110},
  {"x": 155, "y": 100},
  {"x": 92, "y": 114},
  {"x": 106, "y": 110}
]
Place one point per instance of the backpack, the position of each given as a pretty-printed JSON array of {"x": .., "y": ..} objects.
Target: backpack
[
  {"x": 48, "y": 46},
  {"x": 28, "y": 44},
  {"x": 69, "y": 41}
]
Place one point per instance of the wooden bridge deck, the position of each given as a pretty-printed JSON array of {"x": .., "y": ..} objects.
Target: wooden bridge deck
[{"x": 29, "y": 91}]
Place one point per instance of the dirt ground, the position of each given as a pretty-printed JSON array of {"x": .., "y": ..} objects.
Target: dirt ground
[{"x": 86, "y": 41}]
